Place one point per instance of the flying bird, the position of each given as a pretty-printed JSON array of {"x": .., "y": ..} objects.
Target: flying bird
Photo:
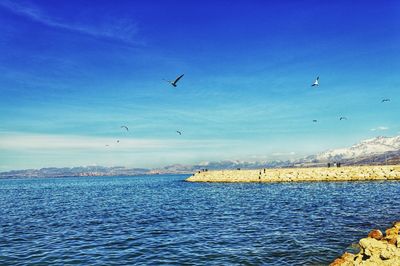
[
  {"x": 385, "y": 100},
  {"x": 315, "y": 121},
  {"x": 107, "y": 145},
  {"x": 343, "y": 118},
  {"x": 316, "y": 82},
  {"x": 118, "y": 141},
  {"x": 180, "y": 133},
  {"x": 174, "y": 83},
  {"x": 127, "y": 129}
]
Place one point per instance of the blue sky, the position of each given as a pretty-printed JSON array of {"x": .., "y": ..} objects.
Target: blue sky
[{"x": 72, "y": 73}]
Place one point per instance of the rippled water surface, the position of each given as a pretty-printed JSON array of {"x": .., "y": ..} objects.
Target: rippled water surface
[{"x": 162, "y": 220}]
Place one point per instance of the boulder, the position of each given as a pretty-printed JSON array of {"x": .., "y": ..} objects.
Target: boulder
[
  {"x": 393, "y": 241},
  {"x": 396, "y": 225},
  {"x": 388, "y": 253},
  {"x": 371, "y": 246},
  {"x": 391, "y": 235},
  {"x": 376, "y": 234},
  {"x": 345, "y": 260}
]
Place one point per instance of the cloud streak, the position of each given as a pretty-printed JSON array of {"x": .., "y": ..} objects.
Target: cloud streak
[
  {"x": 21, "y": 141},
  {"x": 27, "y": 150},
  {"x": 380, "y": 128},
  {"x": 122, "y": 29}
]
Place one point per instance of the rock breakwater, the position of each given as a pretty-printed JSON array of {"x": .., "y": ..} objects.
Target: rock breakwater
[
  {"x": 376, "y": 249},
  {"x": 348, "y": 173}
]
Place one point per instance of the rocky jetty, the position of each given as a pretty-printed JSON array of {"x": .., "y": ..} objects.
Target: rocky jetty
[
  {"x": 376, "y": 249},
  {"x": 348, "y": 173}
]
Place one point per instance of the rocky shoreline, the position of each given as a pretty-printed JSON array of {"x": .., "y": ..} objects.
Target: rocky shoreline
[
  {"x": 376, "y": 249},
  {"x": 347, "y": 173}
]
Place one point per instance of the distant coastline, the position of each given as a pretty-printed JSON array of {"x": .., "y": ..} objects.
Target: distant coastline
[{"x": 93, "y": 171}]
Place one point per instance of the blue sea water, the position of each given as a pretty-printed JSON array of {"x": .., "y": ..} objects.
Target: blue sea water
[{"x": 162, "y": 220}]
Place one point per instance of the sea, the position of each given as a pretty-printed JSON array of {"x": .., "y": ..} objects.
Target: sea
[{"x": 163, "y": 220}]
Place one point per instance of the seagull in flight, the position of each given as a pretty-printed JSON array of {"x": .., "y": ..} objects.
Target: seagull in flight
[
  {"x": 315, "y": 121},
  {"x": 117, "y": 140},
  {"x": 174, "y": 83},
  {"x": 180, "y": 133},
  {"x": 385, "y": 100},
  {"x": 316, "y": 82},
  {"x": 343, "y": 118},
  {"x": 127, "y": 129}
]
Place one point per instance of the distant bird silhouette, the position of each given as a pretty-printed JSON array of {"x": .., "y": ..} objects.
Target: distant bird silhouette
[
  {"x": 385, "y": 100},
  {"x": 127, "y": 129},
  {"x": 107, "y": 145},
  {"x": 343, "y": 118},
  {"x": 174, "y": 83},
  {"x": 316, "y": 82},
  {"x": 180, "y": 133},
  {"x": 315, "y": 121},
  {"x": 118, "y": 141}
]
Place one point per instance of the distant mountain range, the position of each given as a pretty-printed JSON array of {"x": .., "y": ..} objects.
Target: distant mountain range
[
  {"x": 379, "y": 150},
  {"x": 76, "y": 171},
  {"x": 220, "y": 165},
  {"x": 366, "y": 148}
]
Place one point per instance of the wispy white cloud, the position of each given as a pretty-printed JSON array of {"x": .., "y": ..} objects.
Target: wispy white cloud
[
  {"x": 283, "y": 153},
  {"x": 28, "y": 150},
  {"x": 121, "y": 29},
  {"x": 46, "y": 142},
  {"x": 380, "y": 128},
  {"x": 21, "y": 141}
]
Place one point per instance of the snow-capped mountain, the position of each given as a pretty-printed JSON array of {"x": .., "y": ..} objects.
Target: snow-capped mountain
[
  {"x": 226, "y": 164},
  {"x": 365, "y": 148}
]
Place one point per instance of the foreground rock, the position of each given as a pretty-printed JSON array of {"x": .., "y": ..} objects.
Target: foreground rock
[
  {"x": 348, "y": 173},
  {"x": 376, "y": 249}
]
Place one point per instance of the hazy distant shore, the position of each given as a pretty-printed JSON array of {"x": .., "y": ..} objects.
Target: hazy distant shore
[
  {"x": 93, "y": 171},
  {"x": 347, "y": 173}
]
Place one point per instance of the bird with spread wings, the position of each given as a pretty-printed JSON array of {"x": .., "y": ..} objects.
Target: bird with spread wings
[{"x": 174, "y": 82}]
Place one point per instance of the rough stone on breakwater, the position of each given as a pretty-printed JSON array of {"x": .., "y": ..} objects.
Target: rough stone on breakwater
[
  {"x": 348, "y": 173},
  {"x": 376, "y": 249}
]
